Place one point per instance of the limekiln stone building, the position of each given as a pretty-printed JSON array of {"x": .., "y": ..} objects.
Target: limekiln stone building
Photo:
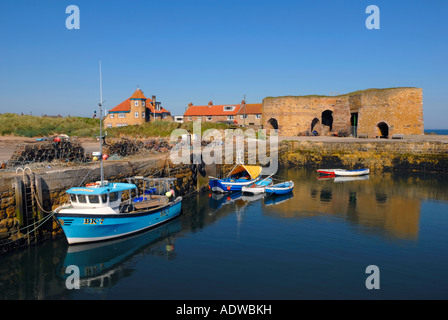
[{"x": 370, "y": 113}]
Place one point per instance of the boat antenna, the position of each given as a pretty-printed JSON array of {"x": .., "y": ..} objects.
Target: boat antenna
[{"x": 100, "y": 104}]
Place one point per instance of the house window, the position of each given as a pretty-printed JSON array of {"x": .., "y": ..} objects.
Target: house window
[
  {"x": 143, "y": 103},
  {"x": 109, "y": 125},
  {"x": 111, "y": 115},
  {"x": 243, "y": 116},
  {"x": 121, "y": 115},
  {"x": 258, "y": 116},
  {"x": 229, "y": 117},
  {"x": 209, "y": 118},
  {"x": 143, "y": 114},
  {"x": 136, "y": 103},
  {"x": 190, "y": 118},
  {"x": 136, "y": 114}
]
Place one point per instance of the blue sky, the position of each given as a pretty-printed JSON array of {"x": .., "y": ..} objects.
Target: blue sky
[{"x": 186, "y": 51}]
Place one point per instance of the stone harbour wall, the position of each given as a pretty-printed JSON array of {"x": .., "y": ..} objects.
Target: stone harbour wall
[
  {"x": 425, "y": 156},
  {"x": 14, "y": 229}
]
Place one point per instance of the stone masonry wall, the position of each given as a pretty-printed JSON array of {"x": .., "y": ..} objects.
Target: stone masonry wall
[
  {"x": 401, "y": 109},
  {"x": 377, "y": 156}
]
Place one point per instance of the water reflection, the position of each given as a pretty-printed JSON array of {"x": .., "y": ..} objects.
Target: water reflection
[
  {"x": 384, "y": 204},
  {"x": 103, "y": 264}
]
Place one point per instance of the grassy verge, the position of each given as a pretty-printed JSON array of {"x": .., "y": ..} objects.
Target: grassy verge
[
  {"x": 159, "y": 129},
  {"x": 32, "y": 126}
]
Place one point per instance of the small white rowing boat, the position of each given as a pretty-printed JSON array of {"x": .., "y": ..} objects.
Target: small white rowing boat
[
  {"x": 258, "y": 186},
  {"x": 343, "y": 172}
]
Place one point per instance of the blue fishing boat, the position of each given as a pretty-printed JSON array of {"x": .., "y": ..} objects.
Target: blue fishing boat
[
  {"x": 280, "y": 188},
  {"x": 97, "y": 212},
  {"x": 241, "y": 175}
]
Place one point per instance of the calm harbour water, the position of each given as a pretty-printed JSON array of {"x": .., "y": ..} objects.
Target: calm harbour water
[{"x": 315, "y": 244}]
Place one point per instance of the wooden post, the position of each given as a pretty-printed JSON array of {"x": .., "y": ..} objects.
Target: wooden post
[{"x": 19, "y": 189}]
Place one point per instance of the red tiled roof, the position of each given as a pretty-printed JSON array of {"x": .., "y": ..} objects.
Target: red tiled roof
[
  {"x": 251, "y": 108},
  {"x": 211, "y": 110},
  {"x": 125, "y": 106},
  {"x": 218, "y": 110},
  {"x": 151, "y": 108},
  {"x": 138, "y": 94}
]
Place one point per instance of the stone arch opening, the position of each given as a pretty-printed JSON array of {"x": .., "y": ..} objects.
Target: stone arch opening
[
  {"x": 384, "y": 130},
  {"x": 315, "y": 124},
  {"x": 327, "y": 119},
  {"x": 273, "y": 123}
]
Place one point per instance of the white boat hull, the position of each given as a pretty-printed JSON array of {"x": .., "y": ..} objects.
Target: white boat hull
[
  {"x": 253, "y": 190},
  {"x": 344, "y": 173}
]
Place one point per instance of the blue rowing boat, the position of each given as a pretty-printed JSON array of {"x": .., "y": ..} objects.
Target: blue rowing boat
[
  {"x": 240, "y": 176},
  {"x": 280, "y": 188}
]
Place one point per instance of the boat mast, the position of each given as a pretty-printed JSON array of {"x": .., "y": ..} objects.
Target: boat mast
[{"x": 100, "y": 104}]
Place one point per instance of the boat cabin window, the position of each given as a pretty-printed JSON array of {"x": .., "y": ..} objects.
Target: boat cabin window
[
  {"x": 82, "y": 198},
  {"x": 113, "y": 196},
  {"x": 104, "y": 198},
  {"x": 94, "y": 199},
  {"x": 73, "y": 198}
]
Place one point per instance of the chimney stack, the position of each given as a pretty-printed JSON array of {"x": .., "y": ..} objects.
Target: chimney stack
[{"x": 210, "y": 103}]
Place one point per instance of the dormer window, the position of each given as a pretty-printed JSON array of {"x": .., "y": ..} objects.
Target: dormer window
[{"x": 229, "y": 108}]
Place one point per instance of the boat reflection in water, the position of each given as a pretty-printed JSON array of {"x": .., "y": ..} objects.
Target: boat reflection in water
[
  {"x": 277, "y": 198},
  {"x": 217, "y": 200},
  {"x": 102, "y": 264}
]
